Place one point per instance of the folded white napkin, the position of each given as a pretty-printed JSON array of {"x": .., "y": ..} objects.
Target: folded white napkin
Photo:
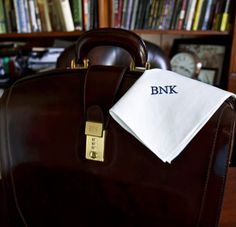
[{"x": 165, "y": 110}]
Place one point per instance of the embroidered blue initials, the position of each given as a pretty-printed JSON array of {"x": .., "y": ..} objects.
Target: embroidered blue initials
[{"x": 159, "y": 90}]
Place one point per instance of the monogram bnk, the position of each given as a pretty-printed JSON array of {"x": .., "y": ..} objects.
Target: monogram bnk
[{"x": 159, "y": 90}]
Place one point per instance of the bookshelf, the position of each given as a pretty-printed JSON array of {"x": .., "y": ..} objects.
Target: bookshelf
[{"x": 105, "y": 19}]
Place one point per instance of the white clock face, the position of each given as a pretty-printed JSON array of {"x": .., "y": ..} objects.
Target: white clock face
[{"x": 184, "y": 64}]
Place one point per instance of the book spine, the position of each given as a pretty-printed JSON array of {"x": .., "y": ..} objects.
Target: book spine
[
  {"x": 182, "y": 15},
  {"x": 129, "y": 13},
  {"x": 166, "y": 12},
  {"x": 190, "y": 19},
  {"x": 161, "y": 14},
  {"x": 95, "y": 14},
  {"x": 10, "y": 19},
  {"x": 33, "y": 20},
  {"x": 147, "y": 14},
  {"x": 22, "y": 16},
  {"x": 169, "y": 14},
  {"x": 205, "y": 24},
  {"x": 38, "y": 19},
  {"x": 53, "y": 9},
  {"x": 218, "y": 15},
  {"x": 124, "y": 13},
  {"x": 66, "y": 15},
  {"x": 103, "y": 13},
  {"x": 119, "y": 16},
  {"x": 197, "y": 14},
  {"x": 176, "y": 12},
  {"x": 114, "y": 14},
  {"x": 150, "y": 18},
  {"x": 27, "y": 16},
  {"x": 91, "y": 14},
  {"x": 77, "y": 14},
  {"x": 86, "y": 14},
  {"x": 155, "y": 14},
  {"x": 47, "y": 17},
  {"x": 3, "y": 28},
  {"x": 225, "y": 16},
  {"x": 134, "y": 14},
  {"x": 18, "y": 28}
]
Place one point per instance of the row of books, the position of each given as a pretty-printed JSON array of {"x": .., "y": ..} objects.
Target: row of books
[
  {"x": 172, "y": 14},
  {"x": 24, "y": 16},
  {"x": 69, "y": 15}
]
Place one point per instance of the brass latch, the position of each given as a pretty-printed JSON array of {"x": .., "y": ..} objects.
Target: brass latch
[
  {"x": 74, "y": 65},
  {"x": 95, "y": 141}
]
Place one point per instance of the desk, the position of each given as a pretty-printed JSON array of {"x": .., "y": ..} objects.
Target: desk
[{"x": 228, "y": 214}]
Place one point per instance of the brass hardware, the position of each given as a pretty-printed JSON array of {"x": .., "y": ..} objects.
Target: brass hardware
[
  {"x": 132, "y": 67},
  {"x": 93, "y": 129},
  {"x": 147, "y": 65},
  {"x": 95, "y": 141},
  {"x": 86, "y": 63},
  {"x": 74, "y": 65}
]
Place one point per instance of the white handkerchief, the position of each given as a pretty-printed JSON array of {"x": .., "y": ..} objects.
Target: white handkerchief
[{"x": 165, "y": 110}]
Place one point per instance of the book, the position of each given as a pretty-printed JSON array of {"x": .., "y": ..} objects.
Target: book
[
  {"x": 10, "y": 16},
  {"x": 140, "y": 15},
  {"x": 22, "y": 17},
  {"x": 182, "y": 15},
  {"x": 53, "y": 11},
  {"x": 218, "y": 15},
  {"x": 32, "y": 16},
  {"x": 129, "y": 12},
  {"x": 150, "y": 23},
  {"x": 119, "y": 15},
  {"x": 208, "y": 14},
  {"x": 177, "y": 9},
  {"x": 65, "y": 15},
  {"x": 225, "y": 16},
  {"x": 3, "y": 23},
  {"x": 86, "y": 14},
  {"x": 124, "y": 13},
  {"x": 103, "y": 13},
  {"x": 166, "y": 9},
  {"x": 197, "y": 15},
  {"x": 167, "y": 20},
  {"x": 190, "y": 15},
  {"x": 27, "y": 16},
  {"x": 147, "y": 11},
  {"x": 156, "y": 15},
  {"x": 202, "y": 14},
  {"x": 134, "y": 14},
  {"x": 77, "y": 13},
  {"x": 44, "y": 15},
  {"x": 94, "y": 22}
]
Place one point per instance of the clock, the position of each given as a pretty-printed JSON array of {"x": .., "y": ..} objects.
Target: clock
[{"x": 186, "y": 64}]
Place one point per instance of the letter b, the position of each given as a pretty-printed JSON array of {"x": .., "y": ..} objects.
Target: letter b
[{"x": 154, "y": 90}]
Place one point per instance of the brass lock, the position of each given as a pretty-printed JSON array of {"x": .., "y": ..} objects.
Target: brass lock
[{"x": 95, "y": 141}]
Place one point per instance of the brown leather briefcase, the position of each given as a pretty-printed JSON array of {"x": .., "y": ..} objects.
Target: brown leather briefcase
[{"x": 54, "y": 174}]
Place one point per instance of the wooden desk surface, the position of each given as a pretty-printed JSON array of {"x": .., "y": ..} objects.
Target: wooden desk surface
[{"x": 228, "y": 214}]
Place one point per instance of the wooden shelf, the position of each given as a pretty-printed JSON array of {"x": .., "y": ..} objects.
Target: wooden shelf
[
  {"x": 37, "y": 35},
  {"x": 181, "y": 32}
]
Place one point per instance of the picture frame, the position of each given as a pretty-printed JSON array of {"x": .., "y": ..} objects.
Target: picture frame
[
  {"x": 214, "y": 54},
  {"x": 207, "y": 75}
]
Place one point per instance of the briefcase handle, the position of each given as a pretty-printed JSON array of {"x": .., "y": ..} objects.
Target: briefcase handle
[{"x": 127, "y": 40}]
